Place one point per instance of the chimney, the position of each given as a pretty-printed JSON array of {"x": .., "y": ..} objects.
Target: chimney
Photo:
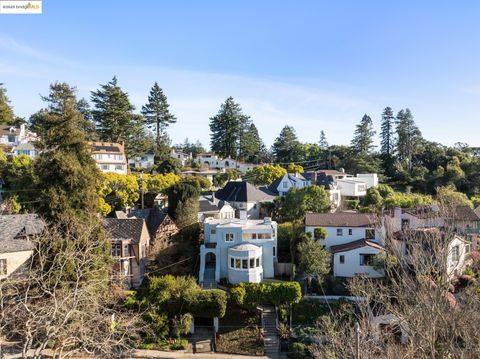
[
  {"x": 243, "y": 215},
  {"x": 267, "y": 220}
]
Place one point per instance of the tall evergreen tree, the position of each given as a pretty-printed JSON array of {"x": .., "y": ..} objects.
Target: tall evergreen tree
[
  {"x": 227, "y": 128},
  {"x": 157, "y": 114},
  {"x": 409, "y": 137},
  {"x": 387, "y": 134},
  {"x": 323, "y": 140},
  {"x": 362, "y": 142},
  {"x": 6, "y": 112},
  {"x": 251, "y": 144},
  {"x": 89, "y": 126},
  {"x": 113, "y": 114},
  {"x": 67, "y": 173},
  {"x": 285, "y": 145}
]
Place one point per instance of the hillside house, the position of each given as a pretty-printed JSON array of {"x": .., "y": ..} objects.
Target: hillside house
[
  {"x": 242, "y": 195},
  {"x": 109, "y": 157},
  {"x": 183, "y": 157},
  {"x": 130, "y": 242},
  {"x": 354, "y": 239},
  {"x": 212, "y": 209},
  {"x": 239, "y": 250},
  {"x": 15, "y": 245},
  {"x": 284, "y": 184},
  {"x": 143, "y": 162},
  {"x": 12, "y": 135},
  {"x": 26, "y": 148}
]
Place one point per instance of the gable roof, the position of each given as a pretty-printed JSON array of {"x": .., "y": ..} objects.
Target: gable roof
[
  {"x": 206, "y": 206},
  {"x": 466, "y": 213},
  {"x": 290, "y": 176},
  {"x": 462, "y": 213},
  {"x": 15, "y": 229},
  {"x": 130, "y": 228},
  {"x": 107, "y": 147},
  {"x": 242, "y": 191},
  {"x": 153, "y": 217},
  {"x": 340, "y": 219},
  {"x": 354, "y": 245},
  {"x": 5, "y": 130}
]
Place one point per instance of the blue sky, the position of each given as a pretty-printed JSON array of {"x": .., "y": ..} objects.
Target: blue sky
[{"x": 310, "y": 64}]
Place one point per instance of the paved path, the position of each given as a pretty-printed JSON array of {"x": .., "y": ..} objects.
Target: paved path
[
  {"x": 270, "y": 331},
  {"x": 209, "y": 278}
]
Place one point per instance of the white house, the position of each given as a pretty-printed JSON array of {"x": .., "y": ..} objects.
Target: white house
[
  {"x": 183, "y": 157},
  {"x": 109, "y": 156},
  {"x": 356, "y": 259},
  {"x": 145, "y": 161},
  {"x": 208, "y": 174},
  {"x": 218, "y": 210},
  {"x": 15, "y": 245},
  {"x": 352, "y": 238},
  {"x": 290, "y": 180},
  {"x": 213, "y": 161},
  {"x": 239, "y": 250},
  {"x": 25, "y": 148},
  {"x": 242, "y": 195},
  {"x": 12, "y": 135}
]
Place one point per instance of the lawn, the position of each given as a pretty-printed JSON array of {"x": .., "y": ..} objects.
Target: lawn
[{"x": 240, "y": 333}]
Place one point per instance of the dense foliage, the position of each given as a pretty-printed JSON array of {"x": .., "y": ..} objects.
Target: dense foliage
[{"x": 250, "y": 295}]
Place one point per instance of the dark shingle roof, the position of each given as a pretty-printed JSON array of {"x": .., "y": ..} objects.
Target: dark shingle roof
[
  {"x": 341, "y": 219},
  {"x": 206, "y": 206},
  {"x": 242, "y": 191},
  {"x": 354, "y": 245},
  {"x": 5, "y": 130},
  {"x": 465, "y": 213},
  {"x": 130, "y": 228},
  {"x": 15, "y": 229},
  {"x": 153, "y": 217}
]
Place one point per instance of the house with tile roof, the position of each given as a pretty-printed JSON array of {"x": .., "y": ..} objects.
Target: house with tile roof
[
  {"x": 244, "y": 196},
  {"x": 130, "y": 242},
  {"x": 16, "y": 246},
  {"x": 354, "y": 239}
]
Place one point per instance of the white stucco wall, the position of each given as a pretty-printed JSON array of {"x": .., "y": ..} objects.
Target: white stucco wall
[
  {"x": 352, "y": 267},
  {"x": 14, "y": 260}
]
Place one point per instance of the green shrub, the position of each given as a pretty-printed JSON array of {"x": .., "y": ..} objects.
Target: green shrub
[
  {"x": 208, "y": 303},
  {"x": 320, "y": 233},
  {"x": 250, "y": 295},
  {"x": 298, "y": 351},
  {"x": 283, "y": 314}
]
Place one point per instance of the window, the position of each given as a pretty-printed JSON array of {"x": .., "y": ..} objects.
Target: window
[
  {"x": 213, "y": 231},
  {"x": 126, "y": 251},
  {"x": 408, "y": 248},
  {"x": 104, "y": 167},
  {"x": 258, "y": 262},
  {"x": 252, "y": 262},
  {"x": 3, "y": 267},
  {"x": 362, "y": 188},
  {"x": 228, "y": 237},
  {"x": 467, "y": 248},
  {"x": 118, "y": 167},
  {"x": 237, "y": 263},
  {"x": 405, "y": 223},
  {"x": 342, "y": 259},
  {"x": 366, "y": 259},
  {"x": 456, "y": 253},
  {"x": 274, "y": 251},
  {"x": 369, "y": 233},
  {"x": 244, "y": 263},
  {"x": 285, "y": 184},
  {"x": 339, "y": 232},
  {"x": 350, "y": 231},
  {"x": 11, "y": 138},
  {"x": 232, "y": 262},
  {"x": 116, "y": 249}
]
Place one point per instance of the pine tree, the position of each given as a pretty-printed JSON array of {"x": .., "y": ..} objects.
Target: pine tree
[
  {"x": 157, "y": 113},
  {"x": 6, "y": 112},
  {"x": 67, "y": 173},
  {"x": 362, "y": 142},
  {"x": 227, "y": 128},
  {"x": 251, "y": 144},
  {"x": 285, "y": 145},
  {"x": 323, "y": 140},
  {"x": 409, "y": 137},
  {"x": 89, "y": 126},
  {"x": 387, "y": 132},
  {"x": 113, "y": 114}
]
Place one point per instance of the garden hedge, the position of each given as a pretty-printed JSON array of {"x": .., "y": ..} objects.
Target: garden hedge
[{"x": 253, "y": 294}]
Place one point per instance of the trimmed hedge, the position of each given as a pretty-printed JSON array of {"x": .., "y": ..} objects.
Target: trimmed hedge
[
  {"x": 208, "y": 303},
  {"x": 250, "y": 295}
]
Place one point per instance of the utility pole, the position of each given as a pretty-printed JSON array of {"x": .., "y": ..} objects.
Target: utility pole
[
  {"x": 141, "y": 189},
  {"x": 357, "y": 341}
]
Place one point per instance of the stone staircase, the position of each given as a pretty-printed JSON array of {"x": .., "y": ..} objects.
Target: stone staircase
[
  {"x": 209, "y": 279},
  {"x": 270, "y": 331}
]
